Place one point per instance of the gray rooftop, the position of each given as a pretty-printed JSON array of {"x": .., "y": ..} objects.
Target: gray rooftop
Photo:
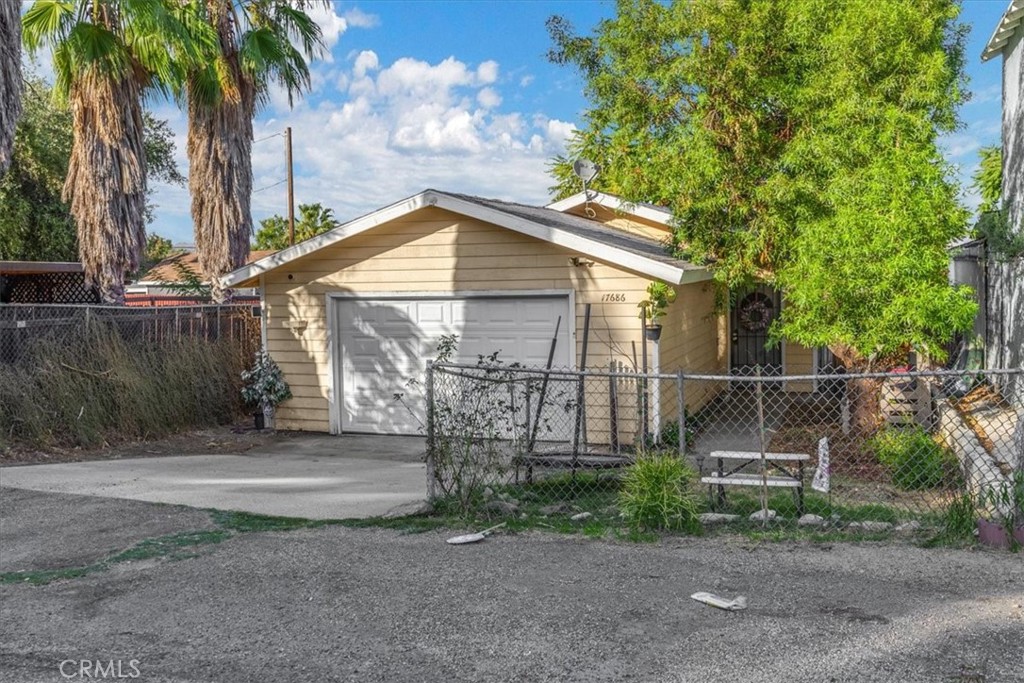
[{"x": 577, "y": 225}]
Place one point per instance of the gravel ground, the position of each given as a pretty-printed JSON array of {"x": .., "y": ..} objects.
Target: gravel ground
[{"x": 374, "y": 605}]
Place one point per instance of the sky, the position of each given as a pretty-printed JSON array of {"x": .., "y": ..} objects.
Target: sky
[{"x": 460, "y": 96}]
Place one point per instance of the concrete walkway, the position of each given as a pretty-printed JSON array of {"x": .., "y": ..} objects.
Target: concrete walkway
[{"x": 315, "y": 477}]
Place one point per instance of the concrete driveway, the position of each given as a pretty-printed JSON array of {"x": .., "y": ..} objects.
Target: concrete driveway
[{"x": 315, "y": 477}]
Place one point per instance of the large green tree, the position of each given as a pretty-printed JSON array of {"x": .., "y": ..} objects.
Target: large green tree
[
  {"x": 796, "y": 143},
  {"x": 35, "y": 223},
  {"x": 260, "y": 42},
  {"x": 106, "y": 54},
  {"x": 314, "y": 219}
]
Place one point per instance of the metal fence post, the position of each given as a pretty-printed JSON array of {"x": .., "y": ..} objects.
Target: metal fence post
[
  {"x": 431, "y": 434},
  {"x": 680, "y": 396}
]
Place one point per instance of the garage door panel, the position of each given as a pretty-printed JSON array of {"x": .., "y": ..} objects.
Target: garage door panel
[{"x": 385, "y": 343}]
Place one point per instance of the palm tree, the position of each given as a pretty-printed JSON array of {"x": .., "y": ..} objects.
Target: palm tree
[
  {"x": 256, "y": 49},
  {"x": 106, "y": 54},
  {"x": 10, "y": 78}
]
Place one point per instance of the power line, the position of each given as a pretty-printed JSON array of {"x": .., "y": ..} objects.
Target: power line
[
  {"x": 267, "y": 187},
  {"x": 274, "y": 135}
]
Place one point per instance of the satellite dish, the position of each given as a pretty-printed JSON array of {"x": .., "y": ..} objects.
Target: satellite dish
[{"x": 585, "y": 169}]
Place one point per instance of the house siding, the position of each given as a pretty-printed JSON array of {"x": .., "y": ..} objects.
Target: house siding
[
  {"x": 433, "y": 250},
  {"x": 1005, "y": 300}
]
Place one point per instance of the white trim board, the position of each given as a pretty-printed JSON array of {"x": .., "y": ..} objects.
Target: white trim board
[
  {"x": 610, "y": 201},
  {"x": 586, "y": 246}
]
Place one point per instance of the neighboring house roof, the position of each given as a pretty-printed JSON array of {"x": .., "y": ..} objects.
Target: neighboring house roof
[
  {"x": 632, "y": 252},
  {"x": 651, "y": 212},
  {"x": 38, "y": 267},
  {"x": 168, "y": 271},
  {"x": 1008, "y": 25}
]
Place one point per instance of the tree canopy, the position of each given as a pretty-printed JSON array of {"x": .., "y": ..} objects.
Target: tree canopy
[
  {"x": 35, "y": 224},
  {"x": 313, "y": 219},
  {"x": 796, "y": 144}
]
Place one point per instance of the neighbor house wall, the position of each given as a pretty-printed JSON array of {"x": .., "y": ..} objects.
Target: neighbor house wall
[
  {"x": 432, "y": 250},
  {"x": 1005, "y": 337}
]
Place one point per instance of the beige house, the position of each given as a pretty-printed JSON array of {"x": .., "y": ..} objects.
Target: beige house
[{"x": 355, "y": 313}]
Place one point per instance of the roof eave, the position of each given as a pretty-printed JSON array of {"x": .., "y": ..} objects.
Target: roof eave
[
  {"x": 1004, "y": 31},
  {"x": 588, "y": 247}
]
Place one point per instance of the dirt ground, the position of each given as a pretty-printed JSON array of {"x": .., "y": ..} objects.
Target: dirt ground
[
  {"x": 233, "y": 439},
  {"x": 346, "y": 604}
]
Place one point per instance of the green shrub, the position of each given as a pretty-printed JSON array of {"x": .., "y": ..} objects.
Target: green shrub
[
  {"x": 656, "y": 495},
  {"x": 914, "y": 459}
]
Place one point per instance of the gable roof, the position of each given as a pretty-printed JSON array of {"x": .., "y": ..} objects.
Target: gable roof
[
  {"x": 1008, "y": 25},
  {"x": 632, "y": 252},
  {"x": 651, "y": 212}
]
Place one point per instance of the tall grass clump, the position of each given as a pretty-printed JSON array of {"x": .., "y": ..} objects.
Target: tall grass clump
[
  {"x": 914, "y": 459},
  {"x": 656, "y": 495},
  {"x": 95, "y": 386}
]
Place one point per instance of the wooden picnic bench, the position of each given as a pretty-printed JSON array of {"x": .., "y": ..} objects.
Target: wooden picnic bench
[{"x": 788, "y": 469}]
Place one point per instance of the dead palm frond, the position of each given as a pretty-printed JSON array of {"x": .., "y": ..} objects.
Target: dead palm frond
[
  {"x": 105, "y": 54},
  {"x": 255, "y": 48},
  {"x": 10, "y": 78}
]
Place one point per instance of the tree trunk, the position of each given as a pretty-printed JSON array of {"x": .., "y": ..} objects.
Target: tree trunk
[
  {"x": 105, "y": 187},
  {"x": 10, "y": 78},
  {"x": 220, "y": 164},
  {"x": 864, "y": 394}
]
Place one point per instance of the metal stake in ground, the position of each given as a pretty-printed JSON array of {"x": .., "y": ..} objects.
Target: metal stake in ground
[{"x": 760, "y": 443}]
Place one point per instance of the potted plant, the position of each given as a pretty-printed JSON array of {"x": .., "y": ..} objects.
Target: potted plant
[
  {"x": 264, "y": 388},
  {"x": 1004, "y": 503},
  {"x": 659, "y": 296}
]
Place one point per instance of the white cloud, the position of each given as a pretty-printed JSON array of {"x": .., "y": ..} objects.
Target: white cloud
[
  {"x": 488, "y": 98},
  {"x": 373, "y": 133},
  {"x": 331, "y": 24},
  {"x": 526, "y": 80},
  {"x": 365, "y": 61},
  {"x": 487, "y": 72},
  {"x": 360, "y": 19}
]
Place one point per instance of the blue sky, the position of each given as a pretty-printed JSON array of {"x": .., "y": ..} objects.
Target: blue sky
[{"x": 459, "y": 96}]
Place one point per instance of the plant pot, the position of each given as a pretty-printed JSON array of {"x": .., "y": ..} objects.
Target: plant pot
[
  {"x": 653, "y": 332},
  {"x": 258, "y": 420},
  {"x": 995, "y": 535}
]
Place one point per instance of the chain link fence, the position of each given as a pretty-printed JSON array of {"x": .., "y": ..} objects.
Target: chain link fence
[
  {"x": 874, "y": 452},
  {"x": 86, "y": 375},
  {"x": 23, "y": 326}
]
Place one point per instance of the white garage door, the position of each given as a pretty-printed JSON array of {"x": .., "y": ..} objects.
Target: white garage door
[{"x": 386, "y": 342}]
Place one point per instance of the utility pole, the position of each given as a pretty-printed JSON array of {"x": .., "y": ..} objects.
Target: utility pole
[{"x": 291, "y": 189}]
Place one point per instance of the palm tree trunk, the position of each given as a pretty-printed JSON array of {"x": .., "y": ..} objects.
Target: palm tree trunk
[
  {"x": 106, "y": 183},
  {"x": 220, "y": 165},
  {"x": 10, "y": 78}
]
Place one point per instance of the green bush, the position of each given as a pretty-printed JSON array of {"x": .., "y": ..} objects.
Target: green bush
[
  {"x": 656, "y": 495},
  {"x": 914, "y": 459}
]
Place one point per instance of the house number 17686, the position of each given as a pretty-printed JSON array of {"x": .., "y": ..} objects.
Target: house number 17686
[{"x": 617, "y": 297}]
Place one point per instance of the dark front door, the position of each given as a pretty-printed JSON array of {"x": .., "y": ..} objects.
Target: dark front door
[{"x": 751, "y": 315}]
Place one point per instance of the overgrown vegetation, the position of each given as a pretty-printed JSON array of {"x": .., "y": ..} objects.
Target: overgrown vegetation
[
  {"x": 656, "y": 495},
  {"x": 914, "y": 459},
  {"x": 95, "y": 386}
]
